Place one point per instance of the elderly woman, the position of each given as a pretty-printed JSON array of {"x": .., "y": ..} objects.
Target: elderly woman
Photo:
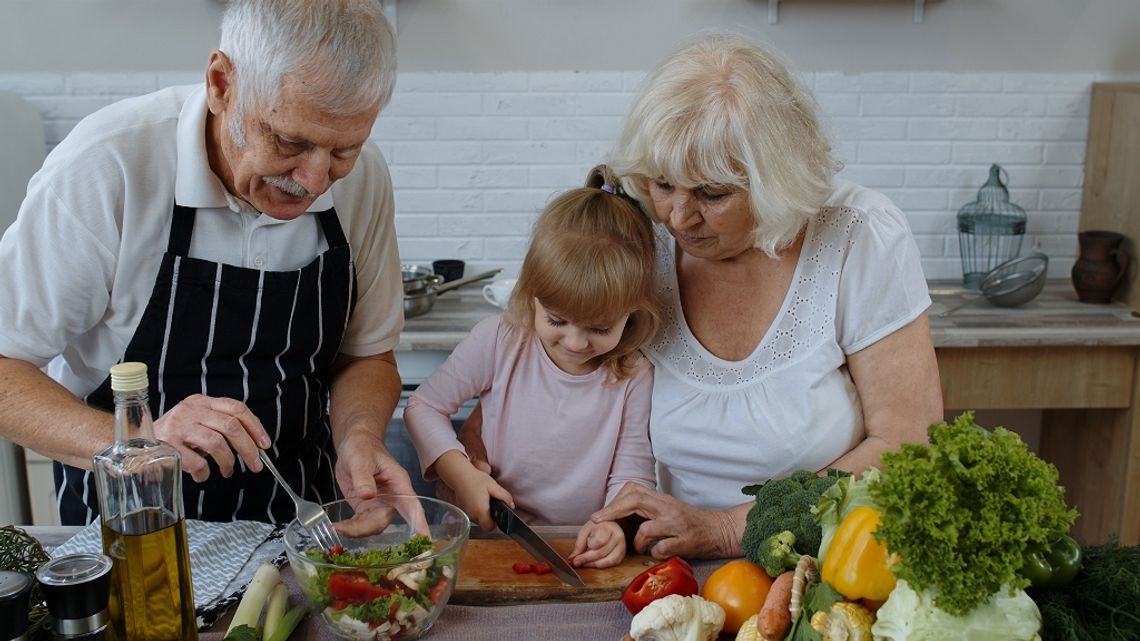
[
  {"x": 794, "y": 327},
  {"x": 795, "y": 335}
]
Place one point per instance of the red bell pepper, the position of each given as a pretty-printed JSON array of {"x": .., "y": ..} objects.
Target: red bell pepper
[
  {"x": 354, "y": 588},
  {"x": 674, "y": 576}
]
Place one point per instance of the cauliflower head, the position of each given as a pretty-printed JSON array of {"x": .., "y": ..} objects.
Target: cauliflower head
[{"x": 678, "y": 618}]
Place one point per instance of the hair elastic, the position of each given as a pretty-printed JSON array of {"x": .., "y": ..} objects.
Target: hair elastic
[{"x": 608, "y": 188}]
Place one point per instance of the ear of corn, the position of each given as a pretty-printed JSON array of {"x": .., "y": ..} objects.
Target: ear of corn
[{"x": 748, "y": 630}]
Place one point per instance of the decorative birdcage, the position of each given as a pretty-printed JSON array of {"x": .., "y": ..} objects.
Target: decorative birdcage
[{"x": 990, "y": 229}]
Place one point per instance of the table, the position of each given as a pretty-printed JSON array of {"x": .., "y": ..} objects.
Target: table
[
  {"x": 606, "y": 621},
  {"x": 1074, "y": 361}
]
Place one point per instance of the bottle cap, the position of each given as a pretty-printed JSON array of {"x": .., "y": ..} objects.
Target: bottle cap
[
  {"x": 77, "y": 588},
  {"x": 15, "y": 588},
  {"x": 129, "y": 377}
]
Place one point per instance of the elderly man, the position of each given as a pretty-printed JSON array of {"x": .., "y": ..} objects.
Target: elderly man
[{"x": 237, "y": 237}]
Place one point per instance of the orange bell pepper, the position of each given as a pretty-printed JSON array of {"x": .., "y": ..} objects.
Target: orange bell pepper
[{"x": 856, "y": 565}]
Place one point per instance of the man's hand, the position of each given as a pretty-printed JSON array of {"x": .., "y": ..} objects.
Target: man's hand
[
  {"x": 673, "y": 528},
  {"x": 365, "y": 468},
  {"x": 202, "y": 427}
]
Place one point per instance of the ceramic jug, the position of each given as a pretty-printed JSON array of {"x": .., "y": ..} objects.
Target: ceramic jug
[{"x": 1100, "y": 267}]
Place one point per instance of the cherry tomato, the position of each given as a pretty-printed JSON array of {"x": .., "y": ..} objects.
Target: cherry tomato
[
  {"x": 740, "y": 587},
  {"x": 522, "y": 568},
  {"x": 354, "y": 588},
  {"x": 437, "y": 590},
  {"x": 541, "y": 568},
  {"x": 674, "y": 576}
]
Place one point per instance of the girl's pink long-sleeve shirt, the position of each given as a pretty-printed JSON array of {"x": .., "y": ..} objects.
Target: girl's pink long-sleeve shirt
[{"x": 561, "y": 444}]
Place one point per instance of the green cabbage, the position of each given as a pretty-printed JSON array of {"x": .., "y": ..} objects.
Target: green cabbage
[{"x": 911, "y": 616}]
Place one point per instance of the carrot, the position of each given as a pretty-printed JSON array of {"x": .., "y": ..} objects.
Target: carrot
[{"x": 775, "y": 618}]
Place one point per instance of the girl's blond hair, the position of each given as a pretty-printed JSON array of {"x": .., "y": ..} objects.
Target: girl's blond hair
[
  {"x": 592, "y": 259},
  {"x": 724, "y": 112}
]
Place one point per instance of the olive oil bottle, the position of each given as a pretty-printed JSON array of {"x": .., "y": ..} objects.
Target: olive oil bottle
[{"x": 139, "y": 481}]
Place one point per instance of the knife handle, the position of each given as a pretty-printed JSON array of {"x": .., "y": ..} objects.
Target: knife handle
[{"x": 501, "y": 515}]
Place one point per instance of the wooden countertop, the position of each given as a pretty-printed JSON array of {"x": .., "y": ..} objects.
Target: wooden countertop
[{"x": 958, "y": 318}]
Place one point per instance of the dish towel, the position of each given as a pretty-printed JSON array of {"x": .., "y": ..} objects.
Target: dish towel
[{"x": 223, "y": 559}]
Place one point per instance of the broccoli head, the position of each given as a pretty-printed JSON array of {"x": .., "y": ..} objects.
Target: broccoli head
[
  {"x": 779, "y": 553},
  {"x": 785, "y": 505}
]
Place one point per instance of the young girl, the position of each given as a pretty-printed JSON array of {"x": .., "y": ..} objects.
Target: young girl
[{"x": 564, "y": 391}]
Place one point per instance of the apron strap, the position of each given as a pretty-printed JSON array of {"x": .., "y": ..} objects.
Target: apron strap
[
  {"x": 334, "y": 234},
  {"x": 181, "y": 229}
]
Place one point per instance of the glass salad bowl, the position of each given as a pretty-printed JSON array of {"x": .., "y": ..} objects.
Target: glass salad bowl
[{"x": 392, "y": 579}]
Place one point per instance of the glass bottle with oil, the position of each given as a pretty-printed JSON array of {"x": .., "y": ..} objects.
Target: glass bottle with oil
[{"x": 139, "y": 481}]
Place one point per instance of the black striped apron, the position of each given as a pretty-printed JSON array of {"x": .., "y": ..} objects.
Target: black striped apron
[{"x": 265, "y": 338}]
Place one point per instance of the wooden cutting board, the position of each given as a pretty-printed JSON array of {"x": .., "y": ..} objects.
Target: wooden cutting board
[{"x": 487, "y": 578}]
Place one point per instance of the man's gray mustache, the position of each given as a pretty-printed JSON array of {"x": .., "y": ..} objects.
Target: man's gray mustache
[{"x": 288, "y": 186}]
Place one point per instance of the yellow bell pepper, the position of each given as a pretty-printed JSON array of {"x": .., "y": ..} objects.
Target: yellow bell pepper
[{"x": 857, "y": 565}]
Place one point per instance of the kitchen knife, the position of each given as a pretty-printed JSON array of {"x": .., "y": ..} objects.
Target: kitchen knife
[{"x": 514, "y": 527}]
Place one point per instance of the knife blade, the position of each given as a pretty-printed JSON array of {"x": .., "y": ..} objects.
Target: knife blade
[{"x": 513, "y": 526}]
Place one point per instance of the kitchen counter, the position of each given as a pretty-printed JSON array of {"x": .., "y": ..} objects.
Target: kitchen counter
[
  {"x": 958, "y": 318},
  {"x": 1075, "y": 362}
]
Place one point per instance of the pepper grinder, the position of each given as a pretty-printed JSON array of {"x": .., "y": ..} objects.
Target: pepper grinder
[
  {"x": 77, "y": 588},
  {"x": 15, "y": 588}
]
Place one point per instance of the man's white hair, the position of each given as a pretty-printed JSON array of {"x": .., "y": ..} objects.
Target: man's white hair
[{"x": 342, "y": 51}]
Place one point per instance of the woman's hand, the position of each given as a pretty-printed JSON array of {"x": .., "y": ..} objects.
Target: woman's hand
[
  {"x": 599, "y": 545},
  {"x": 202, "y": 427},
  {"x": 673, "y": 528}
]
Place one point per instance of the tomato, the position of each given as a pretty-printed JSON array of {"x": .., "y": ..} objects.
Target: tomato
[
  {"x": 541, "y": 568},
  {"x": 354, "y": 588},
  {"x": 740, "y": 587},
  {"x": 674, "y": 576},
  {"x": 437, "y": 590},
  {"x": 522, "y": 568}
]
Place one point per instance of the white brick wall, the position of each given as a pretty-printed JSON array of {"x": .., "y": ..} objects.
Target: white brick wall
[{"x": 474, "y": 156}]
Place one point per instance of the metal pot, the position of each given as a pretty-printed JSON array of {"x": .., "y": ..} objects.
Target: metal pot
[
  {"x": 417, "y": 278},
  {"x": 419, "y": 302}
]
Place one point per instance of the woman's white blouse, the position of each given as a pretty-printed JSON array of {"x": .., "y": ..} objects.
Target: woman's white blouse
[{"x": 719, "y": 425}]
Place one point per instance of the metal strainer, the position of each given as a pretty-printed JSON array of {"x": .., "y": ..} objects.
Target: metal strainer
[{"x": 1015, "y": 282}]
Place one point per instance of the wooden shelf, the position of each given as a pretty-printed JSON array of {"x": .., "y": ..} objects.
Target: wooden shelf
[{"x": 774, "y": 11}]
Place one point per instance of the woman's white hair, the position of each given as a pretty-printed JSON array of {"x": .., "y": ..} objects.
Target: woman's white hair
[
  {"x": 343, "y": 51},
  {"x": 723, "y": 111}
]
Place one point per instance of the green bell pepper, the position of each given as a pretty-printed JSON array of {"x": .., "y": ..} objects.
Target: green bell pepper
[{"x": 1055, "y": 566}]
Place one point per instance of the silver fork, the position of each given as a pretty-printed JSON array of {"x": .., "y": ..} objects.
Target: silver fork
[{"x": 312, "y": 516}]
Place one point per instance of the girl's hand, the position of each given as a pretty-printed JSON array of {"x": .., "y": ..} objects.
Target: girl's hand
[
  {"x": 673, "y": 528},
  {"x": 471, "y": 488},
  {"x": 599, "y": 545}
]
